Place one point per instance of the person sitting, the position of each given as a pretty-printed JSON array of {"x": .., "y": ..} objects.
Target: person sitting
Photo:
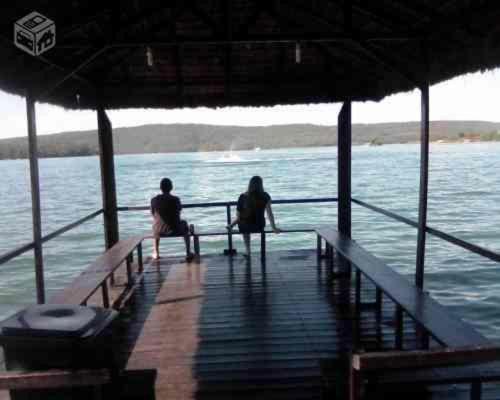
[
  {"x": 251, "y": 208},
  {"x": 166, "y": 210}
]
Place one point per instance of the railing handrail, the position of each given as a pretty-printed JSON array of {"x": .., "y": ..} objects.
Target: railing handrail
[
  {"x": 6, "y": 257},
  {"x": 473, "y": 248},
  {"x": 30, "y": 246},
  {"x": 234, "y": 203}
]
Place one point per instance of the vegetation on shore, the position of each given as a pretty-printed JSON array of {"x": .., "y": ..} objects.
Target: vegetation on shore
[{"x": 192, "y": 138}]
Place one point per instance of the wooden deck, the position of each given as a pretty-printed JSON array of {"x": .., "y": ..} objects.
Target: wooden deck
[{"x": 227, "y": 329}]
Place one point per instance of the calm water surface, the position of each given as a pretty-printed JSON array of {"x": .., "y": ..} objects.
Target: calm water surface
[{"x": 464, "y": 200}]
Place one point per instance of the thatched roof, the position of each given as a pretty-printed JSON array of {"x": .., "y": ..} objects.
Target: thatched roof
[{"x": 237, "y": 52}]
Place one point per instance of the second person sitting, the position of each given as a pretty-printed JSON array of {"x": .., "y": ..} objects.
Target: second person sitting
[{"x": 252, "y": 205}]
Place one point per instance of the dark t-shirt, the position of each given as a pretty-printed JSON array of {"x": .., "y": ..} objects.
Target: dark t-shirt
[
  {"x": 169, "y": 207},
  {"x": 252, "y": 209}
]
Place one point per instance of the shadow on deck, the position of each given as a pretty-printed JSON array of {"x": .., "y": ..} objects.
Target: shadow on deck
[{"x": 227, "y": 328}]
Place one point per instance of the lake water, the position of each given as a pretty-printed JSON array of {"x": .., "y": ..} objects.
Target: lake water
[{"x": 464, "y": 200}]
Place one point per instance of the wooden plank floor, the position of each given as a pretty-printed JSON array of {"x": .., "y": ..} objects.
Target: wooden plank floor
[{"x": 226, "y": 328}]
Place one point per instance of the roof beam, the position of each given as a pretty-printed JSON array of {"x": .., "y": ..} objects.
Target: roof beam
[
  {"x": 362, "y": 44},
  {"x": 228, "y": 48},
  {"x": 262, "y": 39},
  {"x": 252, "y": 20},
  {"x": 430, "y": 16},
  {"x": 98, "y": 51},
  {"x": 73, "y": 72},
  {"x": 48, "y": 62},
  {"x": 178, "y": 57},
  {"x": 367, "y": 8},
  {"x": 204, "y": 17},
  {"x": 169, "y": 24}
]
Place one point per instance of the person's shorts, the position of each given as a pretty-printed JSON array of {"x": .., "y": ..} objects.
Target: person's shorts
[
  {"x": 182, "y": 229},
  {"x": 250, "y": 228},
  {"x": 160, "y": 228}
]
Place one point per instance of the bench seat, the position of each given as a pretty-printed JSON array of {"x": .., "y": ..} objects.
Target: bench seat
[
  {"x": 96, "y": 275},
  {"x": 53, "y": 379},
  {"x": 447, "y": 329},
  {"x": 294, "y": 229},
  {"x": 467, "y": 357}
]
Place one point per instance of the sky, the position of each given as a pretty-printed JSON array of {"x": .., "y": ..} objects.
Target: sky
[{"x": 468, "y": 97}]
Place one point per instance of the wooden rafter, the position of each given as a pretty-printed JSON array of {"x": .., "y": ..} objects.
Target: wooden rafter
[
  {"x": 228, "y": 49},
  {"x": 204, "y": 17},
  {"x": 95, "y": 52},
  {"x": 262, "y": 6},
  {"x": 365, "y": 47},
  {"x": 167, "y": 24},
  {"x": 47, "y": 62},
  {"x": 178, "y": 57}
]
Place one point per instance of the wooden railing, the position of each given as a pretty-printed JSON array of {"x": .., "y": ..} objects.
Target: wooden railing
[
  {"x": 473, "y": 248},
  {"x": 228, "y": 205},
  {"x": 30, "y": 246}
]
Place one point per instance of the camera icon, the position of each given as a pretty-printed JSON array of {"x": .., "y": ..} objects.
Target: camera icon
[{"x": 35, "y": 33}]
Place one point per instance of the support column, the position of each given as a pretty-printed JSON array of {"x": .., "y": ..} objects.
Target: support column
[
  {"x": 344, "y": 169},
  {"x": 424, "y": 179},
  {"x": 108, "y": 184},
  {"x": 35, "y": 197}
]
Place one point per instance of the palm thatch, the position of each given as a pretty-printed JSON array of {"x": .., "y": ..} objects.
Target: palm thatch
[{"x": 251, "y": 53}]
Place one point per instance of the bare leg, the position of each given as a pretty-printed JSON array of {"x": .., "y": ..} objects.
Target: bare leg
[
  {"x": 246, "y": 240},
  {"x": 156, "y": 248}
]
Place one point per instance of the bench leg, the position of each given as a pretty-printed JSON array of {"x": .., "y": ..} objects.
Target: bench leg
[
  {"x": 378, "y": 314},
  {"x": 328, "y": 250},
  {"x": 139, "y": 258},
  {"x": 399, "y": 328},
  {"x": 476, "y": 390},
  {"x": 378, "y": 304},
  {"x": 263, "y": 246},
  {"x": 319, "y": 247},
  {"x": 357, "y": 295},
  {"x": 105, "y": 295},
  {"x": 129, "y": 270},
  {"x": 423, "y": 338},
  {"x": 355, "y": 384}
]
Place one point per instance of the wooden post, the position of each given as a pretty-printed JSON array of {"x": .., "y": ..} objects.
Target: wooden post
[
  {"x": 35, "y": 197},
  {"x": 344, "y": 169},
  {"x": 424, "y": 179},
  {"x": 230, "y": 250},
  {"x": 344, "y": 177},
  {"x": 108, "y": 184}
]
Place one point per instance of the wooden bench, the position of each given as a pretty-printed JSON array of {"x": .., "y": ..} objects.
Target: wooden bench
[
  {"x": 102, "y": 383},
  {"x": 53, "y": 379},
  {"x": 95, "y": 277},
  {"x": 230, "y": 233},
  {"x": 430, "y": 316}
]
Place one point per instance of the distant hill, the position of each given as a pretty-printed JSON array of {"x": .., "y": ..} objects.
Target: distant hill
[{"x": 191, "y": 138}]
